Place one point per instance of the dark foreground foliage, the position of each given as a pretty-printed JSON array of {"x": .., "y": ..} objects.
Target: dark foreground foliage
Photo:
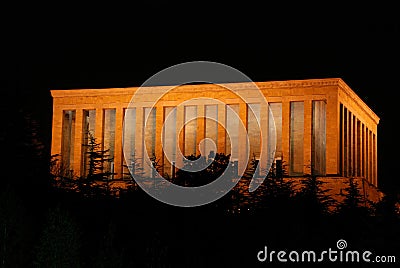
[
  {"x": 67, "y": 229},
  {"x": 45, "y": 226}
]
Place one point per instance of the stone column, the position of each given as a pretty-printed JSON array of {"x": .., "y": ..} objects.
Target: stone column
[
  {"x": 180, "y": 121},
  {"x": 350, "y": 145},
  {"x": 361, "y": 147},
  {"x": 355, "y": 130},
  {"x": 243, "y": 150},
  {"x": 370, "y": 157},
  {"x": 342, "y": 120},
  {"x": 56, "y": 140},
  {"x": 119, "y": 120},
  {"x": 264, "y": 117},
  {"x": 139, "y": 138},
  {"x": 285, "y": 132},
  {"x": 78, "y": 142},
  {"x": 353, "y": 146},
  {"x": 221, "y": 146},
  {"x": 200, "y": 128},
  {"x": 307, "y": 169},
  {"x": 365, "y": 152},
  {"x": 375, "y": 182},
  {"x": 99, "y": 125},
  {"x": 333, "y": 162},
  {"x": 158, "y": 146}
]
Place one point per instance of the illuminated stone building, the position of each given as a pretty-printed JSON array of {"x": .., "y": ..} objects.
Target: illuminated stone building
[{"x": 322, "y": 127}]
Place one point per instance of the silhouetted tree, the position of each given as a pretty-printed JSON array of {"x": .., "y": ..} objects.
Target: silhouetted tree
[
  {"x": 156, "y": 253},
  {"x": 156, "y": 166},
  {"x": 209, "y": 170},
  {"x": 353, "y": 204},
  {"x": 278, "y": 170},
  {"x": 218, "y": 165},
  {"x": 59, "y": 245},
  {"x": 388, "y": 207},
  {"x": 185, "y": 177},
  {"x": 11, "y": 229},
  {"x": 24, "y": 147},
  {"x": 314, "y": 198},
  {"x": 96, "y": 160},
  {"x": 98, "y": 177},
  {"x": 241, "y": 201},
  {"x": 133, "y": 166},
  {"x": 277, "y": 193},
  {"x": 60, "y": 175},
  {"x": 109, "y": 253}
]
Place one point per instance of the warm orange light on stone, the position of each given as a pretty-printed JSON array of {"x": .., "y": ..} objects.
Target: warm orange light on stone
[{"x": 334, "y": 91}]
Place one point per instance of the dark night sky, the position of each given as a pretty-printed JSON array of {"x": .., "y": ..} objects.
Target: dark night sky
[{"x": 43, "y": 51}]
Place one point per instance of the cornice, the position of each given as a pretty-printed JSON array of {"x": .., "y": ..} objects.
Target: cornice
[
  {"x": 351, "y": 94},
  {"x": 304, "y": 83},
  {"x": 239, "y": 86}
]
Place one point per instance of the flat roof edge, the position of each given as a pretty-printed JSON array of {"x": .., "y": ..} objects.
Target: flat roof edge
[
  {"x": 343, "y": 86},
  {"x": 300, "y": 83},
  {"x": 244, "y": 85}
]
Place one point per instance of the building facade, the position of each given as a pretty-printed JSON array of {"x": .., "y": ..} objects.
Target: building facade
[{"x": 316, "y": 126}]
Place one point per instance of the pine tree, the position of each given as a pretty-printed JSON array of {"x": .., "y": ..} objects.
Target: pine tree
[
  {"x": 60, "y": 176},
  {"x": 59, "y": 245},
  {"x": 109, "y": 254},
  {"x": 388, "y": 207},
  {"x": 97, "y": 175},
  {"x": 23, "y": 142},
  {"x": 12, "y": 228},
  {"x": 276, "y": 192},
  {"x": 240, "y": 196},
  {"x": 314, "y": 198},
  {"x": 156, "y": 166},
  {"x": 209, "y": 170},
  {"x": 132, "y": 170},
  {"x": 185, "y": 176},
  {"x": 353, "y": 204}
]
